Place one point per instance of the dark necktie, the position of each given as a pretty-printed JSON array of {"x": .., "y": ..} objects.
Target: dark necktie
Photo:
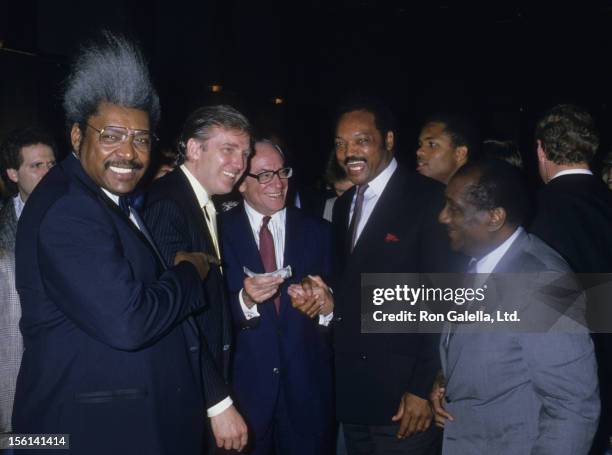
[
  {"x": 357, "y": 214},
  {"x": 266, "y": 251},
  {"x": 469, "y": 283},
  {"x": 124, "y": 205},
  {"x": 130, "y": 206}
]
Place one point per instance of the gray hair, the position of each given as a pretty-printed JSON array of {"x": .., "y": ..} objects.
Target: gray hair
[
  {"x": 113, "y": 70},
  {"x": 201, "y": 121}
]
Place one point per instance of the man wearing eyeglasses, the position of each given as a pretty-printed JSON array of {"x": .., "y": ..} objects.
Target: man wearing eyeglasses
[
  {"x": 108, "y": 346},
  {"x": 213, "y": 147},
  {"x": 282, "y": 360}
]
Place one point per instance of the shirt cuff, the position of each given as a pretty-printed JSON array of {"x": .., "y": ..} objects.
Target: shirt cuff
[
  {"x": 219, "y": 407},
  {"x": 325, "y": 320},
  {"x": 249, "y": 313}
]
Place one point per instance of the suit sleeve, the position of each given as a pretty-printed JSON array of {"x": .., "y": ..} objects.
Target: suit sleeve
[
  {"x": 168, "y": 227},
  {"x": 87, "y": 272},
  {"x": 436, "y": 257},
  {"x": 564, "y": 374}
]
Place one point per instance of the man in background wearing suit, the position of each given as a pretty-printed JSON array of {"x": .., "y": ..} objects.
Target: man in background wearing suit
[
  {"x": 214, "y": 146},
  {"x": 510, "y": 392},
  {"x": 26, "y": 155},
  {"x": 574, "y": 216},
  {"x": 386, "y": 223},
  {"x": 107, "y": 355},
  {"x": 282, "y": 362}
]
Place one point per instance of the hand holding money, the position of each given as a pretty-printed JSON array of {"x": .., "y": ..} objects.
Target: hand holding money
[
  {"x": 257, "y": 288},
  {"x": 283, "y": 273}
]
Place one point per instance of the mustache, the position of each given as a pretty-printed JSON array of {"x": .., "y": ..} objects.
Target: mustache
[
  {"x": 124, "y": 164},
  {"x": 353, "y": 159}
]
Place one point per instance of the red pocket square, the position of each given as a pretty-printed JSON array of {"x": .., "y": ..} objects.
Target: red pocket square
[{"x": 391, "y": 238}]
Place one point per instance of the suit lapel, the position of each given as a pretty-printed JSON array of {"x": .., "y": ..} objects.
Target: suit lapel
[
  {"x": 382, "y": 216},
  {"x": 73, "y": 165},
  {"x": 247, "y": 247},
  {"x": 494, "y": 295},
  {"x": 293, "y": 247},
  {"x": 196, "y": 211}
]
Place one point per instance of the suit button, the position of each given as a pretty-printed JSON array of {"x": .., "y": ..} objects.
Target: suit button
[
  {"x": 338, "y": 319},
  {"x": 364, "y": 357},
  {"x": 226, "y": 347},
  {"x": 275, "y": 370},
  {"x": 193, "y": 349}
]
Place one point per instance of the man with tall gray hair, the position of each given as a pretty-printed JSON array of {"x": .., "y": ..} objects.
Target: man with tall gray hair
[{"x": 111, "y": 352}]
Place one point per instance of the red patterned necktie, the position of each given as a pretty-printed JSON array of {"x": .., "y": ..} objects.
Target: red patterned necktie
[
  {"x": 357, "y": 214},
  {"x": 266, "y": 251}
]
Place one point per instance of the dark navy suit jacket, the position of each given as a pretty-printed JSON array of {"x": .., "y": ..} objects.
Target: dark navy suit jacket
[
  {"x": 288, "y": 350},
  {"x": 107, "y": 358}
]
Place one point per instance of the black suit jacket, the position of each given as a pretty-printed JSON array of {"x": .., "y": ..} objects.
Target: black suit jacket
[
  {"x": 574, "y": 216},
  {"x": 177, "y": 223},
  {"x": 401, "y": 235}
]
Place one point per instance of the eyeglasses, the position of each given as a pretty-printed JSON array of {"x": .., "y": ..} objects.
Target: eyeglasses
[
  {"x": 268, "y": 176},
  {"x": 112, "y": 136}
]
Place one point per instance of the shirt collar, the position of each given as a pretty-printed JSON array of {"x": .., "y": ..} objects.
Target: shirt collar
[
  {"x": 378, "y": 184},
  {"x": 18, "y": 204},
  {"x": 256, "y": 218},
  {"x": 197, "y": 187},
  {"x": 488, "y": 263},
  {"x": 112, "y": 197},
  {"x": 572, "y": 171}
]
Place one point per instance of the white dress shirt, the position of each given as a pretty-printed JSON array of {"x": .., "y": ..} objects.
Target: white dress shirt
[
  {"x": 276, "y": 225},
  {"x": 207, "y": 207},
  {"x": 488, "y": 263},
  {"x": 572, "y": 171},
  {"x": 18, "y": 204},
  {"x": 115, "y": 199},
  {"x": 371, "y": 196}
]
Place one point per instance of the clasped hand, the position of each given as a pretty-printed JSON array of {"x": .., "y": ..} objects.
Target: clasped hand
[{"x": 312, "y": 296}]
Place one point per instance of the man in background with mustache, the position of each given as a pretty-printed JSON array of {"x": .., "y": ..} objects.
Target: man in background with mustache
[
  {"x": 108, "y": 356},
  {"x": 386, "y": 223}
]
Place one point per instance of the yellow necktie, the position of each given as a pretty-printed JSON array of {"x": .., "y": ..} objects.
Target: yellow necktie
[{"x": 211, "y": 219}]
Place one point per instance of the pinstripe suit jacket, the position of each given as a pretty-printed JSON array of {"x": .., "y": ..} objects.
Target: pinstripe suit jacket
[
  {"x": 11, "y": 342},
  {"x": 177, "y": 224}
]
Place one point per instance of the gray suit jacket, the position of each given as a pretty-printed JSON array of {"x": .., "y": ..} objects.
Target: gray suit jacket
[
  {"x": 11, "y": 343},
  {"x": 517, "y": 392},
  {"x": 8, "y": 225}
]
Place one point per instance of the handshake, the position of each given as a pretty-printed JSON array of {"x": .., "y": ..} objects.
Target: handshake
[{"x": 311, "y": 296}]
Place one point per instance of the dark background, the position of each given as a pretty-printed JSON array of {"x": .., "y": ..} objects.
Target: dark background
[{"x": 503, "y": 64}]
